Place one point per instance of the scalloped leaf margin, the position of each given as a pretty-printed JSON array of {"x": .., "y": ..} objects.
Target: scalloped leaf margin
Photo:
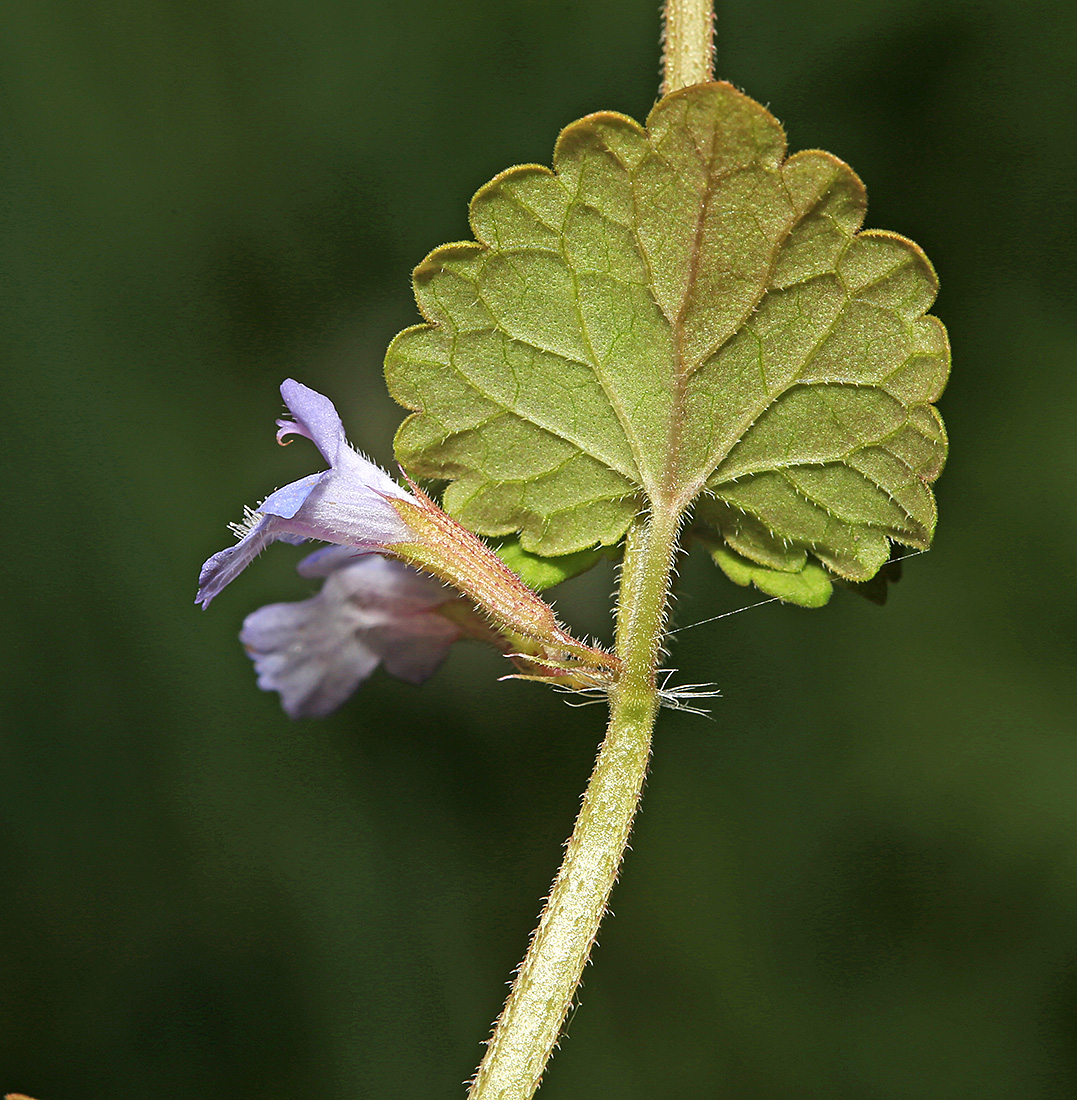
[{"x": 679, "y": 315}]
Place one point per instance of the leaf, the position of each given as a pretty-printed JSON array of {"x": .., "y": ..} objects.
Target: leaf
[
  {"x": 540, "y": 573},
  {"x": 673, "y": 314},
  {"x": 808, "y": 586}
]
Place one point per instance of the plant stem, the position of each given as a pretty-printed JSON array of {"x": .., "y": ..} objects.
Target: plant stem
[
  {"x": 688, "y": 43},
  {"x": 546, "y": 982}
]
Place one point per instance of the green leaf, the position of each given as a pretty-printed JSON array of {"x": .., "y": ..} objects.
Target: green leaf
[
  {"x": 808, "y": 586},
  {"x": 540, "y": 573},
  {"x": 673, "y": 314}
]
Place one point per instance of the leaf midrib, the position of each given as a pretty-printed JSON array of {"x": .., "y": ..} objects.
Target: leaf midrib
[{"x": 682, "y": 375}]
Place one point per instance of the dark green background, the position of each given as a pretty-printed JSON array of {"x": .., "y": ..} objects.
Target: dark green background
[{"x": 857, "y": 882}]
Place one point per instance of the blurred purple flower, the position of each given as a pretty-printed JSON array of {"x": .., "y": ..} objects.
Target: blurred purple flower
[
  {"x": 349, "y": 504},
  {"x": 371, "y": 610}
]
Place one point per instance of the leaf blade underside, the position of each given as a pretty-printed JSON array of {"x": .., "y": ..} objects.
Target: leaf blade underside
[{"x": 679, "y": 314}]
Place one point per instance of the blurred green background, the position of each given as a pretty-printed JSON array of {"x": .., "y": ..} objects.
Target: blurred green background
[{"x": 858, "y": 881}]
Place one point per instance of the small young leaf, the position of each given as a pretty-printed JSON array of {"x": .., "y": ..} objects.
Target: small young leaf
[
  {"x": 808, "y": 586},
  {"x": 540, "y": 573},
  {"x": 679, "y": 313}
]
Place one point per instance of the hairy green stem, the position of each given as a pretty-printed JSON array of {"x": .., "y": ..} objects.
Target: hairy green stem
[
  {"x": 687, "y": 43},
  {"x": 546, "y": 982}
]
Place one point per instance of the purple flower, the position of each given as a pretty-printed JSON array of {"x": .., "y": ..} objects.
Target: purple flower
[
  {"x": 349, "y": 504},
  {"x": 370, "y": 610},
  {"x": 375, "y": 606}
]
